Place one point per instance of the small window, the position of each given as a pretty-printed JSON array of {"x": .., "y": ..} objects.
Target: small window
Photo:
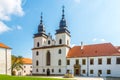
[
  {"x": 24, "y": 66},
  {"x": 38, "y": 44},
  {"x": 36, "y": 70},
  {"x": 68, "y": 62},
  {"x": 49, "y": 42},
  {"x": 91, "y": 61},
  {"x": 108, "y": 60},
  {"x": 30, "y": 66},
  {"x": 37, "y": 53},
  {"x": 59, "y": 51},
  {"x": 100, "y": 61},
  {"x": 24, "y": 71},
  {"x": 60, "y": 41},
  {"x": 77, "y": 61},
  {"x": 83, "y": 61},
  {"x": 52, "y": 70},
  {"x": 91, "y": 72},
  {"x": 59, "y": 70},
  {"x": 99, "y": 71},
  {"x": 83, "y": 71},
  {"x": 108, "y": 71},
  {"x": 118, "y": 60},
  {"x": 59, "y": 62},
  {"x": 43, "y": 70},
  {"x": 37, "y": 63},
  {"x": 67, "y": 42}
]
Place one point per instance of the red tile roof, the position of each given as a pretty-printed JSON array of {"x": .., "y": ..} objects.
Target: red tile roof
[
  {"x": 4, "y": 46},
  {"x": 27, "y": 61},
  {"x": 104, "y": 49}
]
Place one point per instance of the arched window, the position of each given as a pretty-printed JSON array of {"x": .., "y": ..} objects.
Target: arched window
[
  {"x": 43, "y": 70},
  {"x": 48, "y": 41},
  {"x": 37, "y": 63},
  {"x": 48, "y": 58},
  {"x": 38, "y": 44},
  {"x": 59, "y": 62},
  {"x": 52, "y": 70},
  {"x": 59, "y": 51},
  {"x": 67, "y": 42},
  {"x": 60, "y": 41},
  {"x": 37, "y": 53},
  {"x": 59, "y": 70},
  {"x": 36, "y": 70}
]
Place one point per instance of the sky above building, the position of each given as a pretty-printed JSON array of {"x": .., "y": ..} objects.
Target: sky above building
[{"x": 89, "y": 21}]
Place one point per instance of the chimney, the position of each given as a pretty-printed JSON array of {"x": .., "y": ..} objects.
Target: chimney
[{"x": 82, "y": 46}]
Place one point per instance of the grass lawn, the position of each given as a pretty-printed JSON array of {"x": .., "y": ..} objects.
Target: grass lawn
[{"x": 5, "y": 77}]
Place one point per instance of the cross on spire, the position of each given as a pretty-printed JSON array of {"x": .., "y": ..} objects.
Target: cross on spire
[
  {"x": 63, "y": 12},
  {"x": 41, "y": 18}
]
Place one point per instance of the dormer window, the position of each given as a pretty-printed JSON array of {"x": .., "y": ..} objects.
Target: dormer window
[
  {"x": 49, "y": 42},
  {"x": 60, "y": 41},
  {"x": 38, "y": 44}
]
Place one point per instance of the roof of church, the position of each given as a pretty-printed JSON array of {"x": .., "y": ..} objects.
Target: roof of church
[
  {"x": 4, "y": 46},
  {"x": 103, "y": 49},
  {"x": 27, "y": 61}
]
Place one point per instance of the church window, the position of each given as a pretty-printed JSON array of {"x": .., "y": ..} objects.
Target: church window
[
  {"x": 108, "y": 71},
  {"x": 108, "y": 60},
  {"x": 36, "y": 70},
  {"x": 59, "y": 62},
  {"x": 37, "y": 63},
  {"x": 99, "y": 71},
  {"x": 43, "y": 70},
  {"x": 83, "y": 61},
  {"x": 100, "y": 61},
  {"x": 38, "y": 44},
  {"x": 60, "y": 41},
  {"x": 48, "y": 58},
  {"x": 68, "y": 62},
  {"x": 59, "y": 51},
  {"x": 49, "y": 42},
  {"x": 37, "y": 53},
  {"x": 91, "y": 61},
  {"x": 52, "y": 70},
  {"x": 67, "y": 42},
  {"x": 118, "y": 60},
  {"x": 59, "y": 70},
  {"x": 77, "y": 61}
]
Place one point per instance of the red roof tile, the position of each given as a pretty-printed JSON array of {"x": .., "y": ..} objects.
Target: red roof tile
[
  {"x": 27, "y": 61},
  {"x": 104, "y": 49},
  {"x": 4, "y": 46}
]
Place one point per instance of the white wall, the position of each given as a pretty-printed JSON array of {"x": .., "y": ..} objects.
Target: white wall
[
  {"x": 5, "y": 66},
  {"x": 115, "y": 68}
]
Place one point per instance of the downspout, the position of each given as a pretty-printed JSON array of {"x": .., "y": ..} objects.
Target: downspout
[{"x": 87, "y": 66}]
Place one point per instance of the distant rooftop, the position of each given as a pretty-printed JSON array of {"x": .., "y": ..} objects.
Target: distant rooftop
[{"x": 4, "y": 46}]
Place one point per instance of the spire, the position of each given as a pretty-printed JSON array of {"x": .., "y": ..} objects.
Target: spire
[
  {"x": 63, "y": 12},
  {"x": 41, "y": 18},
  {"x": 62, "y": 24},
  {"x": 41, "y": 26},
  {"x": 62, "y": 21}
]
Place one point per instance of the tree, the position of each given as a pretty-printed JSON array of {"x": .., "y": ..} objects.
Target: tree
[{"x": 16, "y": 64}]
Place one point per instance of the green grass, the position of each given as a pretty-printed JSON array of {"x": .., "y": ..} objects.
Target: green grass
[{"x": 5, "y": 77}]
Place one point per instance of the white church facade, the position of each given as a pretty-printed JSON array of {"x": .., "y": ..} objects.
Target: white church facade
[{"x": 56, "y": 57}]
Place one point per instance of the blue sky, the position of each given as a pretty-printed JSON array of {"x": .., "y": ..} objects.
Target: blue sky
[{"x": 90, "y": 21}]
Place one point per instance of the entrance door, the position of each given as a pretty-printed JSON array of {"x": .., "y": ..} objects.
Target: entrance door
[
  {"x": 48, "y": 72},
  {"x": 76, "y": 69}
]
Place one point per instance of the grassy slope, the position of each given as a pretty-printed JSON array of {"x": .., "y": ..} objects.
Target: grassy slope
[{"x": 4, "y": 77}]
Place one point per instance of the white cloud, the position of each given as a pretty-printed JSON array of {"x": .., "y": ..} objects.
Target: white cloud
[
  {"x": 18, "y": 27},
  {"x": 102, "y": 40},
  {"x": 77, "y": 1},
  {"x": 3, "y": 27},
  {"x": 94, "y": 39},
  {"x": 8, "y": 8}
]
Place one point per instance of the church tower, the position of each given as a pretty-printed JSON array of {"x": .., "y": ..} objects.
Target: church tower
[
  {"x": 62, "y": 34},
  {"x": 40, "y": 37}
]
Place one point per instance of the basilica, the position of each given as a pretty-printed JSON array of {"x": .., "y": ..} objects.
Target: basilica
[{"x": 54, "y": 56}]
